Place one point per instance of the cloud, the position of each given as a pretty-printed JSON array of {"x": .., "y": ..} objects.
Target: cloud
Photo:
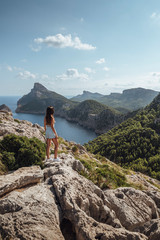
[
  {"x": 155, "y": 74},
  {"x": 9, "y": 68},
  {"x": 63, "y": 41},
  {"x": 155, "y": 16},
  {"x": 106, "y": 69},
  {"x": 44, "y": 77},
  {"x": 100, "y": 61},
  {"x": 24, "y": 60},
  {"x": 35, "y": 49},
  {"x": 82, "y": 20},
  {"x": 89, "y": 70},
  {"x": 73, "y": 74},
  {"x": 25, "y": 75}
]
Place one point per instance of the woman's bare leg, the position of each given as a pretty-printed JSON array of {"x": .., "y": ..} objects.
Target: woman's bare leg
[
  {"x": 48, "y": 147},
  {"x": 56, "y": 144}
]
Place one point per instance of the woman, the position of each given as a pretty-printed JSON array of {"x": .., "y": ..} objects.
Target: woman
[{"x": 51, "y": 134}]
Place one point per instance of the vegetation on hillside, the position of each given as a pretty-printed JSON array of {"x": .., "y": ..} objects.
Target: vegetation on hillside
[
  {"x": 128, "y": 100},
  {"x": 101, "y": 171},
  {"x": 83, "y": 109},
  {"x": 135, "y": 143},
  {"x": 17, "y": 151}
]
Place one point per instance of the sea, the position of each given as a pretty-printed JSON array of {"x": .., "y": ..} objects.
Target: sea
[{"x": 65, "y": 129}]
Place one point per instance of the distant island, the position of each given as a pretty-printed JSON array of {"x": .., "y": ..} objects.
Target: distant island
[{"x": 92, "y": 112}]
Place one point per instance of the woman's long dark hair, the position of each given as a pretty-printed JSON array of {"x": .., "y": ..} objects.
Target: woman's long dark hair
[{"x": 49, "y": 113}]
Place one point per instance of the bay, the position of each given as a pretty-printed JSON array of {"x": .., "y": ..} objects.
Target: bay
[{"x": 67, "y": 130}]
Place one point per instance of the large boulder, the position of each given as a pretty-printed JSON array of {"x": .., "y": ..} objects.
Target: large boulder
[
  {"x": 30, "y": 213},
  {"x": 132, "y": 207},
  {"x": 21, "y": 178}
]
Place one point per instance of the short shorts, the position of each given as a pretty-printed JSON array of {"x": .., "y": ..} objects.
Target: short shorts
[{"x": 49, "y": 132}]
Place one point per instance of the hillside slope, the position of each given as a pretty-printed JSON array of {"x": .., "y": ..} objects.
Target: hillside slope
[
  {"x": 95, "y": 116},
  {"x": 135, "y": 143}
]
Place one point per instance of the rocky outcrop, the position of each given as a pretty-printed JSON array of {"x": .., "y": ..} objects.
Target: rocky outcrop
[
  {"x": 132, "y": 207},
  {"x": 40, "y": 98},
  {"x": 5, "y": 109},
  {"x": 151, "y": 229},
  {"x": 57, "y": 203},
  {"x": 10, "y": 125}
]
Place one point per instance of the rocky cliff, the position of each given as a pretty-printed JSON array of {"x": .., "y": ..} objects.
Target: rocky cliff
[
  {"x": 57, "y": 202},
  {"x": 40, "y": 98}
]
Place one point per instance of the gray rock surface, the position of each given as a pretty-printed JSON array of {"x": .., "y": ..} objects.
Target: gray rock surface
[
  {"x": 10, "y": 125},
  {"x": 22, "y": 177},
  {"x": 132, "y": 207},
  {"x": 30, "y": 213},
  {"x": 57, "y": 203},
  {"x": 5, "y": 109},
  {"x": 151, "y": 229}
]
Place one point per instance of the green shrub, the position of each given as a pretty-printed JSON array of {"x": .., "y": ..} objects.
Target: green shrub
[
  {"x": 75, "y": 149},
  {"x": 8, "y": 159},
  {"x": 20, "y": 151},
  {"x": 16, "y": 120}
]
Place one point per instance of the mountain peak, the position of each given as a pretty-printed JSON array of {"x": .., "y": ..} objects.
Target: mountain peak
[{"x": 39, "y": 87}]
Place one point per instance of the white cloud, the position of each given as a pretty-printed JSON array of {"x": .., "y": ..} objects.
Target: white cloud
[
  {"x": 25, "y": 75},
  {"x": 106, "y": 69},
  {"x": 100, "y": 61},
  {"x": 35, "y": 49},
  {"x": 73, "y": 74},
  {"x": 24, "y": 60},
  {"x": 63, "y": 41},
  {"x": 155, "y": 74},
  {"x": 44, "y": 77},
  {"x": 9, "y": 68},
  {"x": 155, "y": 16},
  {"x": 82, "y": 20},
  {"x": 89, "y": 70}
]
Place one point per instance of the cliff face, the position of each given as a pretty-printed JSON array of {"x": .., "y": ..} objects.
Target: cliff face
[
  {"x": 40, "y": 98},
  {"x": 57, "y": 202}
]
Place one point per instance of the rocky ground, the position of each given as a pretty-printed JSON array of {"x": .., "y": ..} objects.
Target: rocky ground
[
  {"x": 19, "y": 127},
  {"x": 57, "y": 202}
]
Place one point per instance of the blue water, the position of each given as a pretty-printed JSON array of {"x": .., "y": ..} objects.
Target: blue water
[{"x": 68, "y": 130}]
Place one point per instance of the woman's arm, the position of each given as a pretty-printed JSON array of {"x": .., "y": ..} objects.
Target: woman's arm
[
  {"x": 45, "y": 124},
  {"x": 52, "y": 126}
]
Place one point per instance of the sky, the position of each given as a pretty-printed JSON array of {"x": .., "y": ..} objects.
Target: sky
[{"x": 74, "y": 45}]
